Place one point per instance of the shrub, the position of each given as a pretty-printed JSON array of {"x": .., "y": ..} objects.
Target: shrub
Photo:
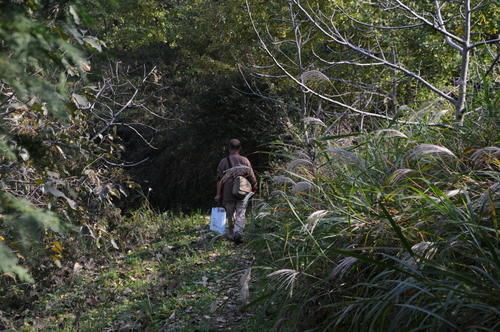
[{"x": 397, "y": 231}]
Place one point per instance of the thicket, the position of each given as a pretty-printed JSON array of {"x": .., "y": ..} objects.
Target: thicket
[
  {"x": 103, "y": 100},
  {"x": 384, "y": 214},
  {"x": 381, "y": 127}
]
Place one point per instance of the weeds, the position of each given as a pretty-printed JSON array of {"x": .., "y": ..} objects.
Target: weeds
[{"x": 396, "y": 232}]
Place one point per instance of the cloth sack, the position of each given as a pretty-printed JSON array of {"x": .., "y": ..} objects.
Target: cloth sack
[
  {"x": 218, "y": 220},
  {"x": 241, "y": 187}
]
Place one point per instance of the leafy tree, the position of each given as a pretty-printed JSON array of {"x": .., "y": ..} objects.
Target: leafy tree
[{"x": 37, "y": 57}]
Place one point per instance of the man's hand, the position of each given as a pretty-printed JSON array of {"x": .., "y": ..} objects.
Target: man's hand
[{"x": 217, "y": 198}]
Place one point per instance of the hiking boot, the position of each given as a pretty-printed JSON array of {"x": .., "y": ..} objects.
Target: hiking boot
[{"x": 237, "y": 238}]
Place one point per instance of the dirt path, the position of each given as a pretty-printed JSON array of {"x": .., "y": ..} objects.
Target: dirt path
[{"x": 187, "y": 280}]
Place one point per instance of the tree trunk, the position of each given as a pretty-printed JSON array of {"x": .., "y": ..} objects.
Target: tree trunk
[{"x": 460, "y": 104}]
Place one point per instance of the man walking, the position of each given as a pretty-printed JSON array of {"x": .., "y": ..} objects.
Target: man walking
[{"x": 228, "y": 170}]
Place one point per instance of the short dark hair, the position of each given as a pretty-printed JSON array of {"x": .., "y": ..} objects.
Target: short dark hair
[{"x": 234, "y": 144}]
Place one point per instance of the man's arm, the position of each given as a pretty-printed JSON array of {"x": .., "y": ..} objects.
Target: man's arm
[
  {"x": 220, "y": 173},
  {"x": 251, "y": 175},
  {"x": 218, "y": 195}
]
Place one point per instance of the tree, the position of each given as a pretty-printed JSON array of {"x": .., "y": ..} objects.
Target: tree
[
  {"x": 448, "y": 21},
  {"x": 37, "y": 59}
]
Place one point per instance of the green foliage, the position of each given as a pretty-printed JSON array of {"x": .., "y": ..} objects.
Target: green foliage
[
  {"x": 24, "y": 223},
  {"x": 36, "y": 59},
  {"x": 128, "y": 25},
  {"x": 385, "y": 233},
  {"x": 35, "y": 56}
]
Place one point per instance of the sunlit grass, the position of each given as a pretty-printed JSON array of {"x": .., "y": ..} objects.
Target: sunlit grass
[{"x": 388, "y": 234}]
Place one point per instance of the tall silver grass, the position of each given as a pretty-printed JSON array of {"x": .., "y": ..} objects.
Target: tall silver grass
[
  {"x": 428, "y": 149},
  {"x": 398, "y": 250}
]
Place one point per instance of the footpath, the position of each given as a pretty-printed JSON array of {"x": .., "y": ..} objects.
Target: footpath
[{"x": 189, "y": 280}]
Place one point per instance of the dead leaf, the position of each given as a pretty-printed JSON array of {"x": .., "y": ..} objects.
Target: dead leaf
[
  {"x": 113, "y": 243},
  {"x": 213, "y": 307},
  {"x": 77, "y": 268},
  {"x": 59, "y": 194},
  {"x": 244, "y": 289}
]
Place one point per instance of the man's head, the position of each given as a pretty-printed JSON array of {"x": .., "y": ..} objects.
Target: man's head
[{"x": 234, "y": 145}]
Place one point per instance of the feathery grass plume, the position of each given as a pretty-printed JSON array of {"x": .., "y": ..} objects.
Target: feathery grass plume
[
  {"x": 247, "y": 199},
  {"x": 437, "y": 116},
  {"x": 426, "y": 250},
  {"x": 314, "y": 75},
  {"x": 302, "y": 186},
  {"x": 482, "y": 156},
  {"x": 489, "y": 199},
  {"x": 314, "y": 121},
  {"x": 299, "y": 162},
  {"x": 313, "y": 220},
  {"x": 278, "y": 193},
  {"x": 390, "y": 133},
  {"x": 262, "y": 210},
  {"x": 428, "y": 149},
  {"x": 398, "y": 175},
  {"x": 281, "y": 179},
  {"x": 262, "y": 215},
  {"x": 302, "y": 155},
  {"x": 262, "y": 206},
  {"x": 286, "y": 278},
  {"x": 347, "y": 156},
  {"x": 342, "y": 268}
]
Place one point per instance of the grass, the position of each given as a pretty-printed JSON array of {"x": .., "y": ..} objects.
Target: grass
[
  {"x": 183, "y": 280},
  {"x": 392, "y": 233}
]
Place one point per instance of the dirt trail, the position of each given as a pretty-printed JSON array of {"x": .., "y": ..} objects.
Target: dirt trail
[
  {"x": 227, "y": 311},
  {"x": 188, "y": 279}
]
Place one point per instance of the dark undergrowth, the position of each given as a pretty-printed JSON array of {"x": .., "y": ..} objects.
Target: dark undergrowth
[{"x": 180, "y": 278}]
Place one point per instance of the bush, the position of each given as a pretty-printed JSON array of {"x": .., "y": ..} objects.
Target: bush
[{"x": 394, "y": 230}]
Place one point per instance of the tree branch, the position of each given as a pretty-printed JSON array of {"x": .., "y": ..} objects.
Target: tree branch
[
  {"x": 337, "y": 37},
  {"x": 442, "y": 26},
  {"x": 484, "y": 42},
  {"x": 429, "y": 23},
  {"x": 321, "y": 96}
]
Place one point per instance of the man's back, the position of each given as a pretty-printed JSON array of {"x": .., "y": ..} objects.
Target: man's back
[{"x": 234, "y": 160}]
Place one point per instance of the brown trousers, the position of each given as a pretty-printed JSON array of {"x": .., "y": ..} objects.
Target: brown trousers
[{"x": 235, "y": 213}]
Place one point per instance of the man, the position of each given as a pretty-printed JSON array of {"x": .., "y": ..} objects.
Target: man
[{"x": 229, "y": 168}]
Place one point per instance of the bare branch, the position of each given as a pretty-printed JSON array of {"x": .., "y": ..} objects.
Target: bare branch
[
  {"x": 148, "y": 143},
  {"x": 427, "y": 22},
  {"x": 347, "y": 62},
  {"x": 482, "y": 5},
  {"x": 485, "y": 42},
  {"x": 493, "y": 64},
  {"x": 402, "y": 27},
  {"x": 125, "y": 164},
  {"x": 111, "y": 122},
  {"x": 442, "y": 26},
  {"x": 317, "y": 94},
  {"x": 339, "y": 38}
]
